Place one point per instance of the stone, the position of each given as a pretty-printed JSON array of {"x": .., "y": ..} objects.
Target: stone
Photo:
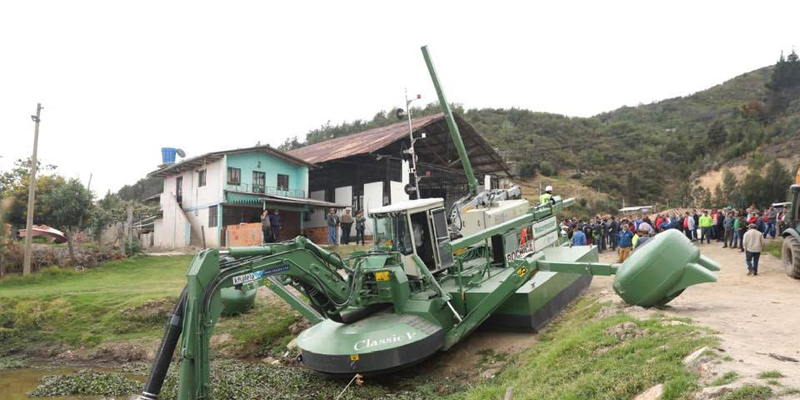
[
  {"x": 692, "y": 359},
  {"x": 489, "y": 373},
  {"x": 654, "y": 393}
]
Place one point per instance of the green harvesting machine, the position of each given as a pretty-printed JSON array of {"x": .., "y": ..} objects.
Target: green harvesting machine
[{"x": 427, "y": 282}]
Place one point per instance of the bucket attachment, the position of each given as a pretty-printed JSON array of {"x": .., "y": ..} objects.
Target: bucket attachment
[{"x": 658, "y": 272}]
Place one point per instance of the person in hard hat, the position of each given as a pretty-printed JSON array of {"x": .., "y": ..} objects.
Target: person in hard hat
[{"x": 547, "y": 196}]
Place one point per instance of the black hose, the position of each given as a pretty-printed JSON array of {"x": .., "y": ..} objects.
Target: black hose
[{"x": 164, "y": 356}]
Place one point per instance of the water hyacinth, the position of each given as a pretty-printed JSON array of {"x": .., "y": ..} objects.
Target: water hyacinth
[{"x": 86, "y": 382}]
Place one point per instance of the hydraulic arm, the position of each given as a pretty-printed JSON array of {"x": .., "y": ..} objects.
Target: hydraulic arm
[{"x": 313, "y": 271}]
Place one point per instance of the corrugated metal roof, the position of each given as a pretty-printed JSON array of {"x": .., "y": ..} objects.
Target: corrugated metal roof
[{"x": 360, "y": 143}]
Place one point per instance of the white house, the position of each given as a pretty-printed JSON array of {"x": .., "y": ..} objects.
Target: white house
[{"x": 217, "y": 198}]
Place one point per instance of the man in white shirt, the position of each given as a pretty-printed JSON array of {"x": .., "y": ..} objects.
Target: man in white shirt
[{"x": 753, "y": 244}]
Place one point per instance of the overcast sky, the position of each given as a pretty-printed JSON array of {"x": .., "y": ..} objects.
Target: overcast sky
[{"x": 119, "y": 80}]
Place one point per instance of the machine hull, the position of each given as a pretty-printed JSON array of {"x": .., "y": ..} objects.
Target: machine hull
[
  {"x": 385, "y": 341},
  {"x": 541, "y": 299}
]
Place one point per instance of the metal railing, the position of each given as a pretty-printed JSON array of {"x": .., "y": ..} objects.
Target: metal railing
[{"x": 260, "y": 189}]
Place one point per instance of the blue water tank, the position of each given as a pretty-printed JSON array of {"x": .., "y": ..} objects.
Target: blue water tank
[{"x": 168, "y": 155}]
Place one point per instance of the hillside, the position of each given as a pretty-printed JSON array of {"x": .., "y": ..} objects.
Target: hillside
[{"x": 653, "y": 153}]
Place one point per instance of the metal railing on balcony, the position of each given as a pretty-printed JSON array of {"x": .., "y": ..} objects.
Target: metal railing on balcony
[{"x": 260, "y": 189}]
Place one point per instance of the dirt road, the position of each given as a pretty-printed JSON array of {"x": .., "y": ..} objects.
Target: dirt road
[{"x": 753, "y": 315}]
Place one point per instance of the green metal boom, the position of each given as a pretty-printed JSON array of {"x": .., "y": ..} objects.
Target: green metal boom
[{"x": 451, "y": 124}]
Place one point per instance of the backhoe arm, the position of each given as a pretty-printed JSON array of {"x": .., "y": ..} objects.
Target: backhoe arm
[{"x": 313, "y": 269}]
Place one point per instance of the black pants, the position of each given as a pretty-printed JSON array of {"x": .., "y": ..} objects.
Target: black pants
[
  {"x": 267, "y": 234},
  {"x": 346, "y": 233}
]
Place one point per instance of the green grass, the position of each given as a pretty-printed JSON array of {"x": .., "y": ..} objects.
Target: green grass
[
  {"x": 771, "y": 374},
  {"x": 749, "y": 392},
  {"x": 87, "y": 308},
  {"x": 725, "y": 379},
  {"x": 790, "y": 392},
  {"x": 577, "y": 359},
  {"x": 116, "y": 302},
  {"x": 773, "y": 247}
]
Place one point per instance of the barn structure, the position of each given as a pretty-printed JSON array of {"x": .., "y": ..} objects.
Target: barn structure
[{"x": 367, "y": 169}]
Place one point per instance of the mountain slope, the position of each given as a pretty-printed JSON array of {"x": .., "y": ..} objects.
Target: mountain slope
[{"x": 648, "y": 154}]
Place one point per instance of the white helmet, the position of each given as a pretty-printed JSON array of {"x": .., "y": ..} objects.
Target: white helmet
[{"x": 548, "y": 189}]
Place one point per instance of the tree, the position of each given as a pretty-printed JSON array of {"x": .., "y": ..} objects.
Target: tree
[
  {"x": 546, "y": 168},
  {"x": 752, "y": 189},
  {"x": 14, "y": 185},
  {"x": 777, "y": 180},
  {"x": 71, "y": 203},
  {"x": 717, "y": 135},
  {"x": 719, "y": 198},
  {"x": 728, "y": 187}
]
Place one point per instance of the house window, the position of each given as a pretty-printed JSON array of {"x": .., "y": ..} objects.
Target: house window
[
  {"x": 234, "y": 176},
  {"x": 259, "y": 181},
  {"x": 201, "y": 178},
  {"x": 179, "y": 189},
  {"x": 283, "y": 182},
  {"x": 212, "y": 217}
]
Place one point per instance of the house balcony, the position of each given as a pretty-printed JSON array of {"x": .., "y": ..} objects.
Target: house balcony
[{"x": 265, "y": 190}]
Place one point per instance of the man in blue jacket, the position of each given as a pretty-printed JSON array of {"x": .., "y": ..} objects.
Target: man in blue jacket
[{"x": 625, "y": 243}]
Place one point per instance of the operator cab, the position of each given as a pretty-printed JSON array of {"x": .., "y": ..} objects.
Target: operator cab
[{"x": 415, "y": 227}]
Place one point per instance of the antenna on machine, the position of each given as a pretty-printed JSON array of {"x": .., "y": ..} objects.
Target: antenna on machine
[{"x": 413, "y": 186}]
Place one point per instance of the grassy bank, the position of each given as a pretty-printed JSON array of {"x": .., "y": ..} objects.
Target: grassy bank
[
  {"x": 585, "y": 357},
  {"x": 118, "y": 302},
  {"x": 773, "y": 247}
]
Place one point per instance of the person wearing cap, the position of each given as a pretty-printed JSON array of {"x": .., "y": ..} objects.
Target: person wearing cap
[
  {"x": 547, "y": 196},
  {"x": 753, "y": 244},
  {"x": 346, "y": 222},
  {"x": 727, "y": 224}
]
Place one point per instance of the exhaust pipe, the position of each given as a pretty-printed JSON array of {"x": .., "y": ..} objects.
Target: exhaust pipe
[{"x": 164, "y": 356}]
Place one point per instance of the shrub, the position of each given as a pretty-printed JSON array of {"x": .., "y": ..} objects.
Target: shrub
[
  {"x": 547, "y": 168},
  {"x": 133, "y": 247}
]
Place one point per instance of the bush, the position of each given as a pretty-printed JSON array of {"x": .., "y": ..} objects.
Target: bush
[
  {"x": 528, "y": 169},
  {"x": 133, "y": 247},
  {"x": 547, "y": 168}
]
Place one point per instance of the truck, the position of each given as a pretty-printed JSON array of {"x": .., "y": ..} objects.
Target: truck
[{"x": 790, "y": 252}]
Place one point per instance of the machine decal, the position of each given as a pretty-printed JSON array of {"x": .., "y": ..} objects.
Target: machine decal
[
  {"x": 522, "y": 271},
  {"x": 546, "y": 241},
  {"x": 520, "y": 252},
  {"x": 543, "y": 227},
  {"x": 367, "y": 343},
  {"x": 250, "y": 277},
  {"x": 244, "y": 278},
  {"x": 270, "y": 271},
  {"x": 382, "y": 276}
]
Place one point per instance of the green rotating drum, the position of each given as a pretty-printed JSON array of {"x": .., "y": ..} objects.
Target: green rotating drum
[{"x": 658, "y": 272}]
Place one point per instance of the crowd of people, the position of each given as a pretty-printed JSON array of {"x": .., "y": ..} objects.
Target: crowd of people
[{"x": 743, "y": 229}]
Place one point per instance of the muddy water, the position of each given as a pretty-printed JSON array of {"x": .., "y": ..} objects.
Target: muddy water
[{"x": 16, "y": 383}]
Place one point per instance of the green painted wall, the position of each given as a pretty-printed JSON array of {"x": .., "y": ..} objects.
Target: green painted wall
[{"x": 271, "y": 166}]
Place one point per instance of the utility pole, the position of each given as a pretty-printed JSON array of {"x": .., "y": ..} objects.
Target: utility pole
[{"x": 26, "y": 267}]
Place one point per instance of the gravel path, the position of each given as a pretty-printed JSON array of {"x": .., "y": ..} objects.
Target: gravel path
[{"x": 753, "y": 315}]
